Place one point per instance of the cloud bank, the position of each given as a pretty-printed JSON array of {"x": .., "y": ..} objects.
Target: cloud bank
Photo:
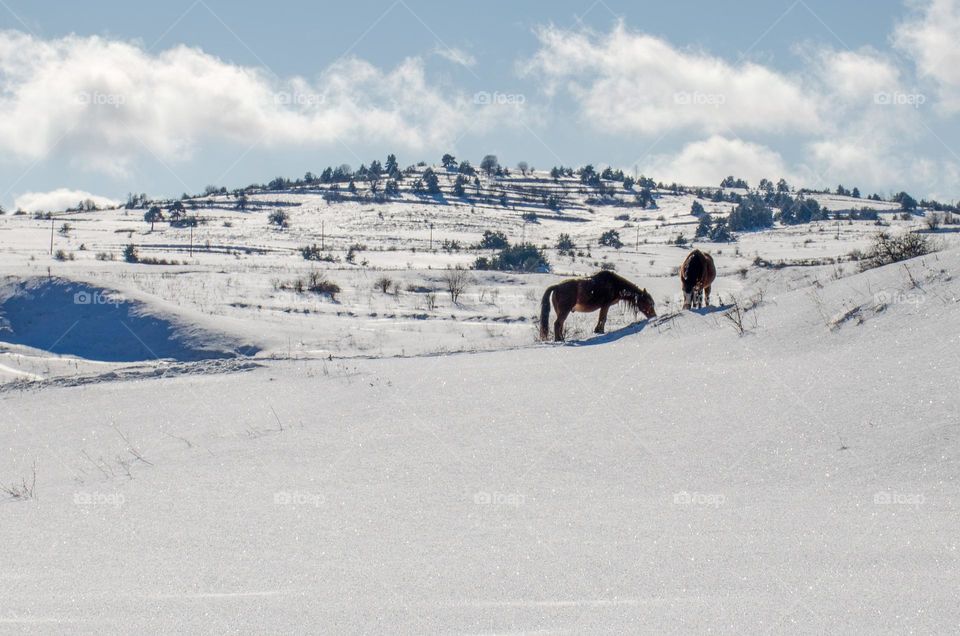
[
  {"x": 104, "y": 102},
  {"x": 59, "y": 199}
]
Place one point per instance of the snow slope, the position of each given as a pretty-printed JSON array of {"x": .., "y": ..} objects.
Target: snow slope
[
  {"x": 232, "y": 273},
  {"x": 801, "y": 477}
]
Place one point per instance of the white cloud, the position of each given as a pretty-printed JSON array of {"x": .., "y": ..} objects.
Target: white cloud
[
  {"x": 871, "y": 157},
  {"x": 59, "y": 199},
  {"x": 931, "y": 39},
  {"x": 105, "y": 102},
  {"x": 856, "y": 78},
  {"x": 627, "y": 82},
  {"x": 707, "y": 162}
]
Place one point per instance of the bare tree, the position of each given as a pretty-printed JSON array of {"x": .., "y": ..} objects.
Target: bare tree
[
  {"x": 456, "y": 279},
  {"x": 490, "y": 164},
  {"x": 934, "y": 221},
  {"x": 383, "y": 284}
]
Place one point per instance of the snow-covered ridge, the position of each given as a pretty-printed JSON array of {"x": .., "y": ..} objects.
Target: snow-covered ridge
[{"x": 234, "y": 270}]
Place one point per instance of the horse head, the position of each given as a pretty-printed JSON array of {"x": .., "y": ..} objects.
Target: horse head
[{"x": 643, "y": 301}]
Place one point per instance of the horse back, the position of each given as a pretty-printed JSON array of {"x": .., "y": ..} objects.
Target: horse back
[{"x": 697, "y": 269}]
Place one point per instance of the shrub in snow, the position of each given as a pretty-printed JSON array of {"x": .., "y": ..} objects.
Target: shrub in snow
[
  {"x": 611, "y": 238},
  {"x": 516, "y": 258},
  {"x": 888, "y": 249},
  {"x": 493, "y": 241},
  {"x": 130, "y": 254},
  {"x": 279, "y": 218}
]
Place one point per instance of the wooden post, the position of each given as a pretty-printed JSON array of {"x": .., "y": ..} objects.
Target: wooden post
[
  {"x": 191, "y": 240},
  {"x": 51, "y": 236},
  {"x": 322, "y": 236}
]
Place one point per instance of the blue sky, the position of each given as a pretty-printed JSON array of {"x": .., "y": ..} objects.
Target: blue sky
[{"x": 113, "y": 97}]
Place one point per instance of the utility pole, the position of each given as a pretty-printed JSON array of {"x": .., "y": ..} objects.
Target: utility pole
[
  {"x": 322, "y": 236},
  {"x": 191, "y": 240},
  {"x": 51, "y": 235},
  {"x": 431, "y": 237}
]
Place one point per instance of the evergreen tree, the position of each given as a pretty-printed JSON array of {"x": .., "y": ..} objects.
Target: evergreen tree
[
  {"x": 704, "y": 226},
  {"x": 431, "y": 181},
  {"x": 752, "y": 213},
  {"x": 391, "y": 167},
  {"x": 153, "y": 215}
]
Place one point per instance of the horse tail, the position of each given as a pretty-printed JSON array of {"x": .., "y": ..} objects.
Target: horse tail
[{"x": 545, "y": 312}]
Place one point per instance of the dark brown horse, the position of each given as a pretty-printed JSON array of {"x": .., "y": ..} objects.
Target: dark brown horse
[
  {"x": 696, "y": 276},
  {"x": 590, "y": 294}
]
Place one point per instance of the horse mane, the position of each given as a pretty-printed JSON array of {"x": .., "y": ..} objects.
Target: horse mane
[{"x": 636, "y": 293}]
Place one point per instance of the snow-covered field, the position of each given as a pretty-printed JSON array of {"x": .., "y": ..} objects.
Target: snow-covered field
[{"x": 397, "y": 462}]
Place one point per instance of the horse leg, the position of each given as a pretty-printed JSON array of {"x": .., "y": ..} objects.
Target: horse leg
[
  {"x": 601, "y": 323},
  {"x": 687, "y": 298},
  {"x": 706, "y": 290},
  {"x": 558, "y": 325}
]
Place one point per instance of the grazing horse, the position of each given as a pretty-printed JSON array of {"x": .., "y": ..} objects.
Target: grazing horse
[
  {"x": 696, "y": 276},
  {"x": 590, "y": 294}
]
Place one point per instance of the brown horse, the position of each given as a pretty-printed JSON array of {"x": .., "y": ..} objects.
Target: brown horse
[
  {"x": 696, "y": 276},
  {"x": 590, "y": 294}
]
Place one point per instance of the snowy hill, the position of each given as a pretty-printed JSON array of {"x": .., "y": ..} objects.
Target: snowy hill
[
  {"x": 257, "y": 460},
  {"x": 235, "y": 272}
]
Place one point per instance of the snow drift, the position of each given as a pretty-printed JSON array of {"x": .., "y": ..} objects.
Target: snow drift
[{"x": 78, "y": 319}]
